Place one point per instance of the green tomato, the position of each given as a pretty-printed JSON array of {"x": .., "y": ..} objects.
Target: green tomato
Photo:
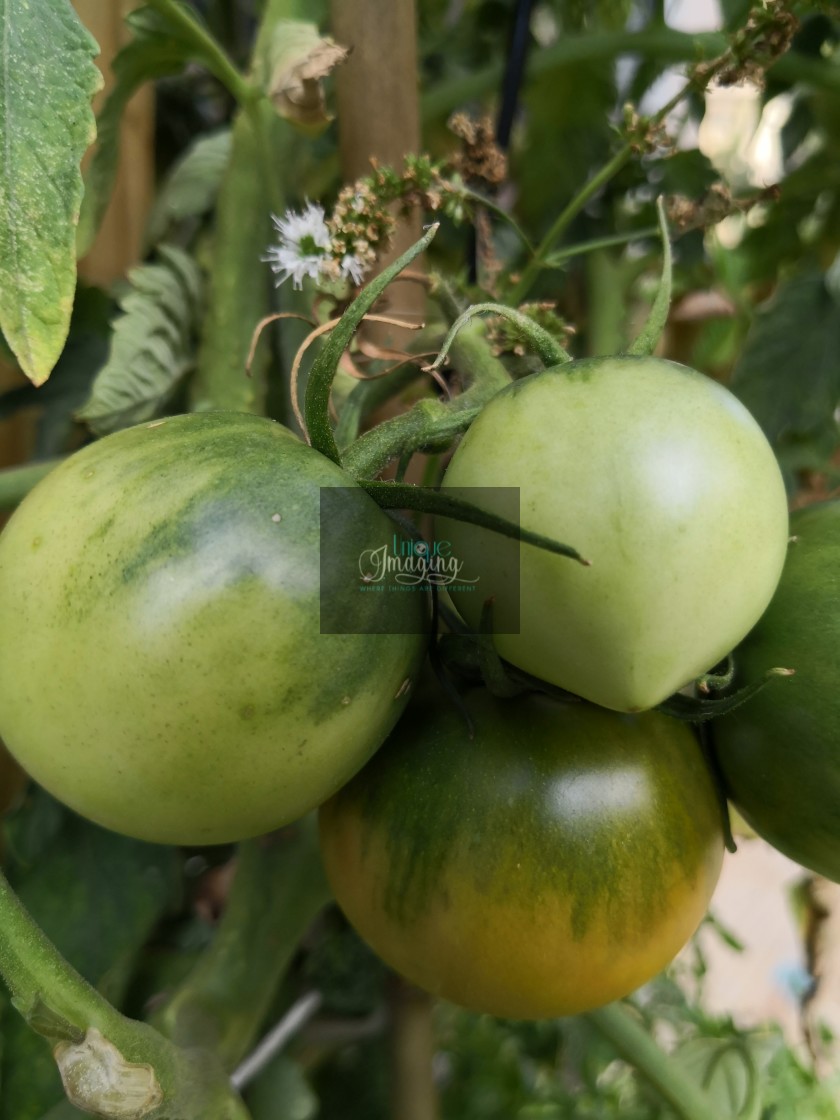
[
  {"x": 660, "y": 478},
  {"x": 162, "y": 669},
  {"x": 552, "y": 863},
  {"x": 780, "y": 751}
]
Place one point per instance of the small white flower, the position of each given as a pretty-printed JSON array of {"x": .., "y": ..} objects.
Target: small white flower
[
  {"x": 352, "y": 268},
  {"x": 304, "y": 239}
]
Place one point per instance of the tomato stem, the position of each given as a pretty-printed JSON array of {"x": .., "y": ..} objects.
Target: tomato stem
[
  {"x": 324, "y": 368},
  {"x": 547, "y": 348},
  {"x": 646, "y": 341},
  {"x": 278, "y": 889},
  {"x": 209, "y": 50},
  {"x": 90, "y": 1036},
  {"x": 634, "y": 1043}
]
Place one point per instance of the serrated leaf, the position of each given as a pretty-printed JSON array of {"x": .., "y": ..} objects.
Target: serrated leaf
[
  {"x": 152, "y": 349},
  {"x": 158, "y": 49},
  {"x": 788, "y": 374},
  {"x": 47, "y": 78},
  {"x": 192, "y": 185}
]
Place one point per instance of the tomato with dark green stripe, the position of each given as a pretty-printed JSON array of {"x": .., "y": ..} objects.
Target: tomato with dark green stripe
[
  {"x": 780, "y": 751},
  {"x": 162, "y": 597},
  {"x": 550, "y": 864}
]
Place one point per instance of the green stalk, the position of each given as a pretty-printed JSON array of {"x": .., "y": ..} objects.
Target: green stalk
[
  {"x": 635, "y": 1045},
  {"x": 603, "y": 176},
  {"x": 208, "y": 49},
  {"x": 648, "y": 337},
  {"x": 545, "y": 345},
  {"x": 565, "y": 218},
  {"x": 16, "y": 482},
  {"x": 560, "y": 256},
  {"x": 433, "y": 424},
  {"x": 239, "y": 287},
  {"x": 278, "y": 890},
  {"x": 112, "y": 1066},
  {"x": 606, "y": 284},
  {"x": 325, "y": 366}
]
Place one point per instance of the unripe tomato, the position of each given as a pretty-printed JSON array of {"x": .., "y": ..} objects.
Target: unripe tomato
[
  {"x": 549, "y": 865},
  {"x": 12, "y": 780},
  {"x": 663, "y": 480},
  {"x": 780, "y": 751},
  {"x": 162, "y": 669}
]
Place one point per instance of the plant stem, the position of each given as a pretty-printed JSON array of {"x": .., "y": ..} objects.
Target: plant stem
[
  {"x": 325, "y": 366},
  {"x": 278, "y": 890},
  {"x": 557, "y": 258},
  {"x": 412, "y": 1042},
  {"x": 433, "y": 424},
  {"x": 565, "y": 218},
  {"x": 648, "y": 337},
  {"x": 635, "y": 1045},
  {"x": 239, "y": 285},
  {"x": 89, "y": 1035},
  {"x": 16, "y": 482},
  {"x": 209, "y": 50}
]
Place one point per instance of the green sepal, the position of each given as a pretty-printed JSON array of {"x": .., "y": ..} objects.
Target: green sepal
[
  {"x": 394, "y": 495},
  {"x": 648, "y": 337},
  {"x": 494, "y": 671},
  {"x": 544, "y": 344},
  {"x": 317, "y": 399},
  {"x": 697, "y": 709}
]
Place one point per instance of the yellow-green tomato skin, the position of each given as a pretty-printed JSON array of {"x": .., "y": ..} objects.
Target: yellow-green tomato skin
[
  {"x": 553, "y": 863},
  {"x": 161, "y": 666},
  {"x": 659, "y": 477}
]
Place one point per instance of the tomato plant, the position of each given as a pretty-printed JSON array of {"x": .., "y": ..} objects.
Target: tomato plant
[
  {"x": 778, "y": 751},
  {"x": 665, "y": 483},
  {"x": 162, "y": 669},
  {"x": 552, "y": 863}
]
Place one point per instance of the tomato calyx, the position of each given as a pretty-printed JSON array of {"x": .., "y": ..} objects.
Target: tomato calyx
[{"x": 698, "y": 709}]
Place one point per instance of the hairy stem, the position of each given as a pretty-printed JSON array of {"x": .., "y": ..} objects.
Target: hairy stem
[
  {"x": 109, "y": 1064},
  {"x": 433, "y": 424},
  {"x": 634, "y": 1043},
  {"x": 278, "y": 890}
]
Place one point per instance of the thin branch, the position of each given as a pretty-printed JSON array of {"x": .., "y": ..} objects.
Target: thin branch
[{"x": 296, "y": 1017}]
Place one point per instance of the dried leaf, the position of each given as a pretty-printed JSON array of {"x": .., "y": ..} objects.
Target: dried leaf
[{"x": 299, "y": 58}]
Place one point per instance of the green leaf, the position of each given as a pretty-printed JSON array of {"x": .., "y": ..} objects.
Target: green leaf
[
  {"x": 47, "y": 78},
  {"x": 281, "y": 1092},
  {"x": 192, "y": 185},
  {"x": 158, "y": 49},
  {"x": 69, "y": 385},
  {"x": 788, "y": 375},
  {"x": 153, "y": 344},
  {"x": 730, "y": 1071}
]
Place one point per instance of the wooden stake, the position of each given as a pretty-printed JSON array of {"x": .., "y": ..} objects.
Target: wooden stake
[{"x": 379, "y": 113}]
